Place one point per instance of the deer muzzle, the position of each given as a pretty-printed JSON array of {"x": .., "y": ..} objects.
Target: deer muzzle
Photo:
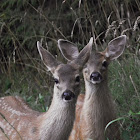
[
  {"x": 96, "y": 77},
  {"x": 68, "y": 95}
]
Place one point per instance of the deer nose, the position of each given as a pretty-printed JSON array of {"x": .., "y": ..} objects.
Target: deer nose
[
  {"x": 68, "y": 95},
  {"x": 96, "y": 76}
]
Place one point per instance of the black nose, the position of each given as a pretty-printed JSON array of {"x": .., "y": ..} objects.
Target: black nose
[
  {"x": 68, "y": 95},
  {"x": 96, "y": 76}
]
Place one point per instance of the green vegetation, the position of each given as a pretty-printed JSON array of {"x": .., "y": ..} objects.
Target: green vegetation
[{"x": 23, "y": 22}]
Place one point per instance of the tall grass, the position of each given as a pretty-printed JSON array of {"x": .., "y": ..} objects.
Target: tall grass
[{"x": 24, "y": 22}]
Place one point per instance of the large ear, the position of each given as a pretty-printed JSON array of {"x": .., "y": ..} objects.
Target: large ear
[
  {"x": 84, "y": 54},
  {"x": 68, "y": 49},
  {"x": 115, "y": 47},
  {"x": 50, "y": 62}
]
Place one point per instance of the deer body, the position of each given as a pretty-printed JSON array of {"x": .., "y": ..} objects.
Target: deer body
[
  {"x": 32, "y": 125},
  {"x": 15, "y": 111},
  {"x": 96, "y": 109},
  {"x": 19, "y": 122}
]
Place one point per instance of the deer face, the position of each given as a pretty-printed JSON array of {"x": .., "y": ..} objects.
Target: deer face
[
  {"x": 67, "y": 82},
  {"x": 96, "y": 69}
]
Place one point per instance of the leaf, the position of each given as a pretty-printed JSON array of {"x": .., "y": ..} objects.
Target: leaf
[{"x": 132, "y": 113}]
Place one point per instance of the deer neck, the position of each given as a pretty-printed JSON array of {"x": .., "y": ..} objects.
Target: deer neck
[
  {"x": 97, "y": 109},
  {"x": 97, "y": 96},
  {"x": 96, "y": 90},
  {"x": 57, "y": 122}
]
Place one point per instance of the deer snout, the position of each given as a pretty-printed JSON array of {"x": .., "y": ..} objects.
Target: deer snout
[
  {"x": 96, "y": 77},
  {"x": 68, "y": 95}
]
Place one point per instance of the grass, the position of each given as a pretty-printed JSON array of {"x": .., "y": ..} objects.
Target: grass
[
  {"x": 29, "y": 84},
  {"x": 124, "y": 76},
  {"x": 22, "y": 74},
  {"x": 124, "y": 84}
]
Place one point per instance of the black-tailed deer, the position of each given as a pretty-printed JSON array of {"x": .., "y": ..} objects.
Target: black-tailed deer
[
  {"x": 96, "y": 109},
  {"x": 19, "y": 122}
]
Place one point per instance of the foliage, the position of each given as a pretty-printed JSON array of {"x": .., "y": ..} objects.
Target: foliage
[{"x": 23, "y": 22}]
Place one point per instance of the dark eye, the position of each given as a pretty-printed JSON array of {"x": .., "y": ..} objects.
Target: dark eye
[
  {"x": 105, "y": 64},
  {"x": 56, "y": 81},
  {"x": 77, "y": 79}
]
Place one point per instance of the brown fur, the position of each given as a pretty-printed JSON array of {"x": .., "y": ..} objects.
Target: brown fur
[
  {"x": 19, "y": 122},
  {"x": 97, "y": 109}
]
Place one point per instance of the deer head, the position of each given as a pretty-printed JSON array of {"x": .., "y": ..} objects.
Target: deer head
[{"x": 66, "y": 76}]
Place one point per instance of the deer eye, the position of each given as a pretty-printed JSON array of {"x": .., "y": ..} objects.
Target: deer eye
[
  {"x": 56, "y": 81},
  {"x": 105, "y": 64},
  {"x": 77, "y": 78}
]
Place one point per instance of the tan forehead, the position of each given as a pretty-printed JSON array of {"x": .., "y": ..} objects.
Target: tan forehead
[
  {"x": 97, "y": 57},
  {"x": 66, "y": 70}
]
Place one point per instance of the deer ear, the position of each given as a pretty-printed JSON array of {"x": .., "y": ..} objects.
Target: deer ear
[
  {"x": 84, "y": 54},
  {"x": 68, "y": 49},
  {"x": 115, "y": 47},
  {"x": 49, "y": 61}
]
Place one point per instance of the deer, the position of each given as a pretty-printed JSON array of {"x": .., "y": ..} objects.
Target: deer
[
  {"x": 19, "y": 122},
  {"x": 96, "y": 108}
]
